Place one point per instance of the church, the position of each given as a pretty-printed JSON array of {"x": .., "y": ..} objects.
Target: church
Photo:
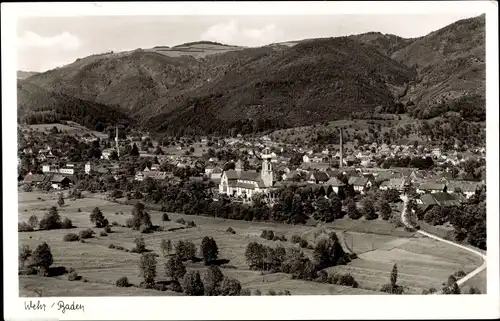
[{"x": 239, "y": 182}]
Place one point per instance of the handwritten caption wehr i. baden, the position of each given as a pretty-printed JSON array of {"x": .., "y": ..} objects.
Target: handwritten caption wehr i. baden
[{"x": 61, "y": 306}]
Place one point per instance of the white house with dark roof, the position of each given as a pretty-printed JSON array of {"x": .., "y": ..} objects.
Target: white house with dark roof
[
  {"x": 431, "y": 187},
  {"x": 466, "y": 187},
  {"x": 335, "y": 183},
  {"x": 359, "y": 183},
  {"x": 239, "y": 182}
]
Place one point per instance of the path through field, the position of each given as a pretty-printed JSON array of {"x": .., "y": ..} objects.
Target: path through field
[{"x": 460, "y": 282}]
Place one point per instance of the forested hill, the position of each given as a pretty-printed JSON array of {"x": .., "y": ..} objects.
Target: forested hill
[
  {"x": 307, "y": 83},
  {"x": 204, "y": 87},
  {"x": 37, "y": 106},
  {"x": 450, "y": 65}
]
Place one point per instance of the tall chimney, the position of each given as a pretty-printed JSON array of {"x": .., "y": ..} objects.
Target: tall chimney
[
  {"x": 341, "y": 150},
  {"x": 116, "y": 140}
]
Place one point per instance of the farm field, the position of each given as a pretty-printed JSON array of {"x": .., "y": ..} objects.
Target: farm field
[
  {"x": 422, "y": 262},
  {"x": 71, "y": 128},
  {"x": 478, "y": 281}
]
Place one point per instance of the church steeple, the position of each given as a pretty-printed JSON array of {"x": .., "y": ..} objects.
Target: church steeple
[{"x": 266, "y": 172}]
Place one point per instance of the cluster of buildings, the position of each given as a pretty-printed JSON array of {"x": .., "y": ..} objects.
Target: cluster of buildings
[{"x": 319, "y": 169}]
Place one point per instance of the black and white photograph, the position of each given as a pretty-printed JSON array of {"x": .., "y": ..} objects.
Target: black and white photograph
[{"x": 274, "y": 155}]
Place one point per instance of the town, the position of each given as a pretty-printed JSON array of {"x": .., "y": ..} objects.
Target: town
[{"x": 259, "y": 179}]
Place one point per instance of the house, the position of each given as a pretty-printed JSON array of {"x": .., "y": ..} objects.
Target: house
[
  {"x": 209, "y": 169},
  {"x": 155, "y": 167},
  {"x": 315, "y": 166},
  {"x": 427, "y": 201},
  {"x": 157, "y": 175},
  {"x": 398, "y": 184},
  {"x": 318, "y": 178},
  {"x": 59, "y": 181},
  {"x": 466, "y": 187},
  {"x": 50, "y": 168},
  {"x": 306, "y": 159},
  {"x": 242, "y": 183},
  {"x": 34, "y": 179},
  {"x": 216, "y": 173},
  {"x": 318, "y": 158},
  {"x": 359, "y": 183},
  {"x": 431, "y": 187},
  {"x": 335, "y": 183},
  {"x": 67, "y": 170}
]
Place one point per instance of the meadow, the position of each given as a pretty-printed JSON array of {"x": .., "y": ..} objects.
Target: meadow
[{"x": 422, "y": 263}]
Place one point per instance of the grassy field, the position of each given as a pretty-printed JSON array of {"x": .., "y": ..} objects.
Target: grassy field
[
  {"x": 422, "y": 263},
  {"x": 71, "y": 128},
  {"x": 479, "y": 281}
]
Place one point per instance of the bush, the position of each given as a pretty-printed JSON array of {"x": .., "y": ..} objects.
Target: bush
[
  {"x": 102, "y": 233},
  {"x": 42, "y": 258},
  {"x": 459, "y": 274},
  {"x": 174, "y": 268},
  {"x": 322, "y": 277},
  {"x": 147, "y": 267},
  {"x": 73, "y": 275},
  {"x": 165, "y": 217},
  {"x": 296, "y": 239},
  {"x": 111, "y": 246},
  {"x": 107, "y": 229},
  {"x": 144, "y": 229},
  {"x": 245, "y": 292},
  {"x": 185, "y": 250},
  {"x": 122, "y": 282},
  {"x": 51, "y": 220},
  {"x": 86, "y": 234},
  {"x": 230, "y": 287},
  {"x": 334, "y": 278},
  {"x": 474, "y": 290},
  {"x": 268, "y": 235},
  {"x": 24, "y": 254},
  {"x": 231, "y": 230},
  {"x": 66, "y": 223},
  {"x": 180, "y": 221},
  {"x": 97, "y": 218},
  {"x": 347, "y": 280},
  {"x": 129, "y": 222},
  {"x": 209, "y": 249},
  {"x": 33, "y": 221},
  {"x": 71, "y": 237},
  {"x": 257, "y": 292},
  {"x": 79, "y": 210},
  {"x": 140, "y": 245},
  {"x": 191, "y": 224},
  {"x": 193, "y": 286},
  {"x": 24, "y": 227},
  {"x": 115, "y": 223}
]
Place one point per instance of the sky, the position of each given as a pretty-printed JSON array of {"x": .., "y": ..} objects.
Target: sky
[{"x": 44, "y": 43}]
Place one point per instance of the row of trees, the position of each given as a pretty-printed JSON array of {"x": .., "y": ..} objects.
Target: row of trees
[{"x": 327, "y": 252}]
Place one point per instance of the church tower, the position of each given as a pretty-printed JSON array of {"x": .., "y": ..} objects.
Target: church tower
[
  {"x": 266, "y": 172},
  {"x": 117, "y": 144}
]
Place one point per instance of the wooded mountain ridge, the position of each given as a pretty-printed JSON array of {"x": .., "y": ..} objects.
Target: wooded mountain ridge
[{"x": 211, "y": 88}]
